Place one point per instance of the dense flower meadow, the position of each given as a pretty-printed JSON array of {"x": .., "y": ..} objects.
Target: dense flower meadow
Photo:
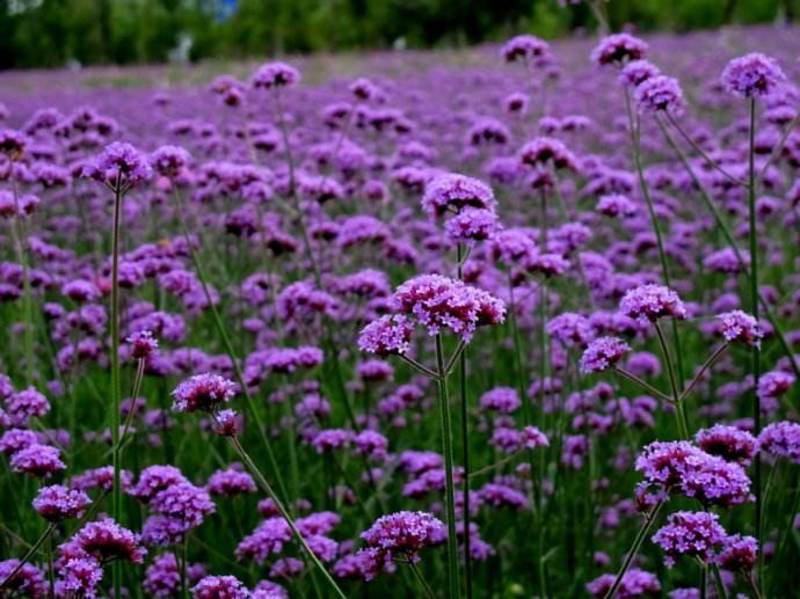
[{"x": 518, "y": 326}]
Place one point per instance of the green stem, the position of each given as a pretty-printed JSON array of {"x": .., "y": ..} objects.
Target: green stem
[
  {"x": 423, "y": 583},
  {"x": 634, "y": 550},
  {"x": 116, "y": 383},
  {"x": 31, "y": 552},
  {"x": 756, "y": 351},
  {"x": 226, "y": 341},
  {"x": 267, "y": 488},
  {"x": 683, "y": 428},
  {"x": 454, "y": 590}
]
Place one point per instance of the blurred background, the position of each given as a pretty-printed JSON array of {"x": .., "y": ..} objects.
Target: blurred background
[{"x": 56, "y": 33}]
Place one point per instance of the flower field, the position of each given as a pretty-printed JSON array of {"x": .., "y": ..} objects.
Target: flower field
[{"x": 512, "y": 321}]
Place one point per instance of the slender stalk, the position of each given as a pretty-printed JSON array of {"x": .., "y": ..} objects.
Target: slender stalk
[
  {"x": 462, "y": 380},
  {"x": 683, "y": 428},
  {"x": 422, "y": 582},
  {"x": 710, "y": 161},
  {"x": 634, "y": 550},
  {"x": 722, "y": 592},
  {"x": 634, "y": 127},
  {"x": 447, "y": 444},
  {"x": 756, "y": 351},
  {"x": 703, "y": 580},
  {"x": 137, "y": 387},
  {"x": 27, "y": 297},
  {"x": 229, "y": 349},
  {"x": 643, "y": 384},
  {"x": 706, "y": 365},
  {"x": 267, "y": 488},
  {"x": 116, "y": 381},
  {"x": 184, "y": 567},
  {"x": 31, "y": 552},
  {"x": 726, "y": 233},
  {"x": 51, "y": 573}
]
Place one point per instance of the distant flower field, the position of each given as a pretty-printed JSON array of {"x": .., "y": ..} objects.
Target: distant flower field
[{"x": 512, "y": 321}]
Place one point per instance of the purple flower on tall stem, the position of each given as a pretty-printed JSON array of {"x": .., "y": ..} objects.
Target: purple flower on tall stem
[
  {"x": 203, "y": 392},
  {"x": 753, "y": 75},
  {"x": 693, "y": 534}
]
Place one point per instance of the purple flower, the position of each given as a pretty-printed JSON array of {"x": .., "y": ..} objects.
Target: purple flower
[
  {"x": 546, "y": 151},
  {"x": 442, "y": 303},
  {"x": 142, "y": 344},
  {"x": 602, "y": 353},
  {"x": 170, "y": 161},
  {"x": 26, "y": 404},
  {"x": 329, "y": 440},
  {"x": 57, "y": 502},
  {"x": 740, "y": 326},
  {"x": 274, "y": 75},
  {"x": 227, "y": 423},
  {"x": 230, "y": 482},
  {"x": 471, "y": 224},
  {"x": 120, "y": 164},
  {"x": 615, "y": 205},
  {"x": 28, "y": 582},
  {"x": 41, "y": 461},
  {"x": 570, "y": 329},
  {"x": 390, "y": 334},
  {"x": 651, "y": 302},
  {"x": 617, "y": 49},
  {"x": 204, "y": 392},
  {"x": 637, "y": 72},
  {"x": 185, "y": 502},
  {"x": 79, "y": 577},
  {"x": 15, "y": 439},
  {"x": 774, "y": 384},
  {"x": 269, "y": 537},
  {"x": 727, "y": 442},
  {"x": 753, "y": 75},
  {"x": 500, "y": 399},
  {"x": 679, "y": 466},
  {"x": 739, "y": 553},
  {"x": 453, "y": 193},
  {"x": 693, "y": 534},
  {"x": 365, "y": 564},
  {"x": 659, "y": 93},
  {"x": 155, "y": 479},
  {"x": 635, "y": 583},
  {"x": 524, "y": 47},
  {"x": 404, "y": 534},
  {"x": 220, "y": 587},
  {"x": 781, "y": 440},
  {"x": 107, "y": 540}
]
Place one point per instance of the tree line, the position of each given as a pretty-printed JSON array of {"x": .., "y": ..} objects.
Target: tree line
[{"x": 52, "y": 33}]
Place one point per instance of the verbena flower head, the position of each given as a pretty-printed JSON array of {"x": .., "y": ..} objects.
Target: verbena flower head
[
  {"x": 546, "y": 151},
  {"x": 106, "y": 540},
  {"x": 269, "y": 537},
  {"x": 42, "y": 461},
  {"x": 29, "y": 581},
  {"x": 452, "y": 193},
  {"x": 440, "y": 303},
  {"x": 740, "y": 326},
  {"x": 79, "y": 577},
  {"x": 617, "y": 49},
  {"x": 602, "y": 353},
  {"x": 185, "y": 502},
  {"x": 571, "y": 329},
  {"x": 727, "y": 442},
  {"x": 143, "y": 344},
  {"x": 635, "y": 583},
  {"x": 203, "y": 392},
  {"x": 220, "y": 587},
  {"x": 274, "y": 75},
  {"x": 739, "y": 553},
  {"x": 501, "y": 399},
  {"x": 753, "y": 75},
  {"x": 155, "y": 479},
  {"x": 390, "y": 334},
  {"x": 680, "y": 467},
  {"x": 691, "y": 534},
  {"x": 524, "y": 47},
  {"x": 56, "y": 503},
  {"x": 230, "y": 482},
  {"x": 774, "y": 384},
  {"x": 472, "y": 224},
  {"x": 637, "y": 72},
  {"x": 651, "y": 302},
  {"x": 404, "y": 533},
  {"x": 659, "y": 93},
  {"x": 781, "y": 440},
  {"x": 121, "y": 164},
  {"x": 170, "y": 161}
]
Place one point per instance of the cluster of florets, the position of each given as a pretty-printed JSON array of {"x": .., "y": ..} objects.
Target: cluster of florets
[
  {"x": 469, "y": 203},
  {"x": 650, "y": 302},
  {"x": 680, "y": 467},
  {"x": 635, "y": 583},
  {"x": 603, "y": 353},
  {"x": 202, "y": 392},
  {"x": 659, "y": 93},
  {"x": 752, "y": 76},
  {"x": 692, "y": 534},
  {"x": 618, "y": 49},
  {"x": 57, "y": 502},
  {"x": 120, "y": 165},
  {"x": 389, "y": 334},
  {"x": 527, "y": 48},
  {"x": 275, "y": 75},
  {"x": 728, "y": 442},
  {"x": 781, "y": 440},
  {"x": 106, "y": 540},
  {"x": 405, "y": 534},
  {"x": 740, "y": 326}
]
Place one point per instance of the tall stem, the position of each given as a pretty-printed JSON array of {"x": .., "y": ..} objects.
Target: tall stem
[
  {"x": 683, "y": 428},
  {"x": 447, "y": 445},
  {"x": 267, "y": 488},
  {"x": 27, "y": 297},
  {"x": 751, "y": 202},
  {"x": 634, "y": 550},
  {"x": 226, "y": 341},
  {"x": 116, "y": 389},
  {"x": 31, "y": 552},
  {"x": 462, "y": 380}
]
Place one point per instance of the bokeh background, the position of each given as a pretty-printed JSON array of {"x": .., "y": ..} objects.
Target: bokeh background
[{"x": 55, "y": 33}]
